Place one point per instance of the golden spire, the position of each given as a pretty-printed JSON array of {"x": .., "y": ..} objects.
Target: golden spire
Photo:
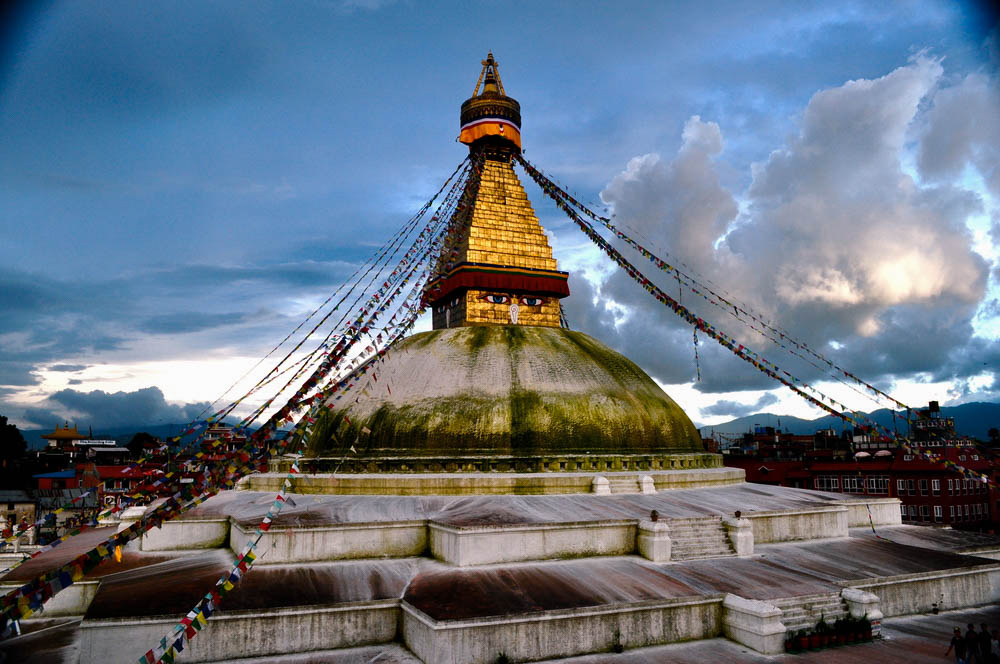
[
  {"x": 491, "y": 70},
  {"x": 501, "y": 270}
]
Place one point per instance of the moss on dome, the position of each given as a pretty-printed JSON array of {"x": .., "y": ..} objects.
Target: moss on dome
[{"x": 511, "y": 390}]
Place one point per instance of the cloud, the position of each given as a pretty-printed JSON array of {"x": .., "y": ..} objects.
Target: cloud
[
  {"x": 734, "y": 409},
  {"x": 111, "y": 410},
  {"x": 188, "y": 321},
  {"x": 685, "y": 193},
  {"x": 67, "y": 367},
  {"x": 48, "y": 320},
  {"x": 832, "y": 240},
  {"x": 963, "y": 128}
]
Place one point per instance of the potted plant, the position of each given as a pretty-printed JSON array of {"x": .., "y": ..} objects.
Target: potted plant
[
  {"x": 866, "y": 627},
  {"x": 790, "y": 644},
  {"x": 823, "y": 631},
  {"x": 838, "y": 632},
  {"x": 813, "y": 641},
  {"x": 859, "y": 630},
  {"x": 802, "y": 638}
]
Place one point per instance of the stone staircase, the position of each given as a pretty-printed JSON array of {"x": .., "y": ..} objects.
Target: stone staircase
[
  {"x": 705, "y": 537},
  {"x": 804, "y": 612},
  {"x": 624, "y": 484}
]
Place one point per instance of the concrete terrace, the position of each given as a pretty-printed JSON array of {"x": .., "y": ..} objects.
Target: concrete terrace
[{"x": 408, "y": 578}]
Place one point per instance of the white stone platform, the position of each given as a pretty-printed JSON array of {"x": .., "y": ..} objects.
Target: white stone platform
[
  {"x": 489, "y": 483},
  {"x": 462, "y": 578}
]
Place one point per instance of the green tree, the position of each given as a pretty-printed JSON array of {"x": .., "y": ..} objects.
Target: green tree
[{"x": 12, "y": 444}]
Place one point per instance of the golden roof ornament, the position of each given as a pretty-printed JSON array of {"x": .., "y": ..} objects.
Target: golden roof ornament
[{"x": 491, "y": 116}]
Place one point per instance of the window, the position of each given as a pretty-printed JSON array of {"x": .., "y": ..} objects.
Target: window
[
  {"x": 900, "y": 487},
  {"x": 951, "y": 487},
  {"x": 951, "y": 512},
  {"x": 936, "y": 487},
  {"x": 975, "y": 457},
  {"x": 961, "y": 457},
  {"x": 913, "y": 511},
  {"x": 925, "y": 512},
  {"x": 826, "y": 482},
  {"x": 923, "y": 487},
  {"x": 902, "y": 509},
  {"x": 938, "y": 512},
  {"x": 979, "y": 509},
  {"x": 878, "y": 484},
  {"x": 910, "y": 484},
  {"x": 966, "y": 510},
  {"x": 907, "y": 457},
  {"x": 853, "y": 484}
]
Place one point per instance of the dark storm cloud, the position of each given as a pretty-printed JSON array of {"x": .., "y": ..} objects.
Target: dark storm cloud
[
  {"x": 111, "y": 410},
  {"x": 727, "y": 408},
  {"x": 836, "y": 243},
  {"x": 188, "y": 321},
  {"x": 46, "y": 319}
]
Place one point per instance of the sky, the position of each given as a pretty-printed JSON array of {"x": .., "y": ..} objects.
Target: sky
[{"x": 180, "y": 184}]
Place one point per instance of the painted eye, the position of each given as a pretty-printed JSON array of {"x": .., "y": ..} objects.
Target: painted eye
[
  {"x": 531, "y": 301},
  {"x": 496, "y": 299},
  {"x": 441, "y": 309},
  {"x": 454, "y": 302}
]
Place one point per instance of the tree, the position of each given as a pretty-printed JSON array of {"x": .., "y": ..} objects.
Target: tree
[
  {"x": 12, "y": 444},
  {"x": 139, "y": 441}
]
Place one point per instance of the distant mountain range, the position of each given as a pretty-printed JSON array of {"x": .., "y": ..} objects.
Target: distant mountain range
[{"x": 971, "y": 419}]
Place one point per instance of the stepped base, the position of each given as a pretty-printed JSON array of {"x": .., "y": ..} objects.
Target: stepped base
[
  {"x": 458, "y": 483},
  {"x": 488, "y": 591}
]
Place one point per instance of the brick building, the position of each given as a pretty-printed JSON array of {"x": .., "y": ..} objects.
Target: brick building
[{"x": 860, "y": 463}]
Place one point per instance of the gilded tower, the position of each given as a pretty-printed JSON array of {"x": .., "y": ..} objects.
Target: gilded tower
[{"x": 502, "y": 271}]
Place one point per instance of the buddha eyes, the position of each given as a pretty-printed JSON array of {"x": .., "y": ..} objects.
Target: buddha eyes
[{"x": 504, "y": 299}]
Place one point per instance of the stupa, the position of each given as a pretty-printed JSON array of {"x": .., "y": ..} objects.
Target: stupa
[
  {"x": 518, "y": 492},
  {"x": 499, "y": 383}
]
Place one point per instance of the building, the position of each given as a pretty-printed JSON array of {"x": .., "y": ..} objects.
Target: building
[
  {"x": 861, "y": 463},
  {"x": 17, "y": 513}
]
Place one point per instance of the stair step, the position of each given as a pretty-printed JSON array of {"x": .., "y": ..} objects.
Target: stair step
[
  {"x": 695, "y": 538},
  {"x": 700, "y": 556},
  {"x": 680, "y": 532},
  {"x": 701, "y": 545}
]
